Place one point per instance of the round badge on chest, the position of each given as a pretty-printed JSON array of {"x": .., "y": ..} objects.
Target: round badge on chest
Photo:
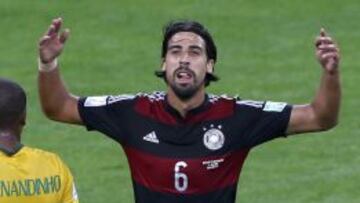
[{"x": 214, "y": 139}]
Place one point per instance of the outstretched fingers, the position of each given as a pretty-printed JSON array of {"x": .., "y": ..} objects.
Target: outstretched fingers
[
  {"x": 51, "y": 30},
  {"x": 64, "y": 36},
  {"x": 52, "y": 42},
  {"x": 57, "y": 24},
  {"x": 54, "y": 27},
  {"x": 44, "y": 40}
]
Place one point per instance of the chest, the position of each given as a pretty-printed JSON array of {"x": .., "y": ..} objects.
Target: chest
[{"x": 209, "y": 138}]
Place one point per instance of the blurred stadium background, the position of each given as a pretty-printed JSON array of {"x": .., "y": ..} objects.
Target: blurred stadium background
[{"x": 266, "y": 52}]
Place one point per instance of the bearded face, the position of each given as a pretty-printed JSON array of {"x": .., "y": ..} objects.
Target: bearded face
[
  {"x": 185, "y": 83},
  {"x": 186, "y": 64}
]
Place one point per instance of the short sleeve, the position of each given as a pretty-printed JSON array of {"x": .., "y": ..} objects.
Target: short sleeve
[
  {"x": 106, "y": 114},
  {"x": 264, "y": 121},
  {"x": 93, "y": 111}
]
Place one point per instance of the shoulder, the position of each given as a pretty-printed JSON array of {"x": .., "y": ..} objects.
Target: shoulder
[
  {"x": 236, "y": 101},
  {"x": 39, "y": 152},
  {"x": 213, "y": 98},
  {"x": 105, "y": 100},
  {"x": 152, "y": 97},
  {"x": 248, "y": 104},
  {"x": 263, "y": 107},
  {"x": 252, "y": 104},
  {"x": 43, "y": 156}
]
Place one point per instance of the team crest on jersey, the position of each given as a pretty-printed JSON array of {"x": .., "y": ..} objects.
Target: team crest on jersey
[{"x": 213, "y": 138}]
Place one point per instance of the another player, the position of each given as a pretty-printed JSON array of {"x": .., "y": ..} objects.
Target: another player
[
  {"x": 184, "y": 145},
  {"x": 27, "y": 175}
]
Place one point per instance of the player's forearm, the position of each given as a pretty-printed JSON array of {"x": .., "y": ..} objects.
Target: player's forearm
[
  {"x": 54, "y": 97},
  {"x": 326, "y": 104},
  {"x": 52, "y": 93}
]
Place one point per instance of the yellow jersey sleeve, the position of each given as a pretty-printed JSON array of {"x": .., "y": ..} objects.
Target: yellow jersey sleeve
[{"x": 70, "y": 194}]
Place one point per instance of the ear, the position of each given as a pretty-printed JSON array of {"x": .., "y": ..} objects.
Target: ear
[
  {"x": 22, "y": 119},
  {"x": 163, "y": 64},
  {"x": 210, "y": 66}
]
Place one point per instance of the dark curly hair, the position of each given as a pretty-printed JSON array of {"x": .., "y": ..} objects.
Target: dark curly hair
[{"x": 174, "y": 27}]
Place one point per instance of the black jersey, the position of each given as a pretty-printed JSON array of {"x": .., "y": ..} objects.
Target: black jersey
[{"x": 192, "y": 159}]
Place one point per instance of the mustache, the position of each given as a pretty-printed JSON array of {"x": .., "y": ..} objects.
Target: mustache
[{"x": 184, "y": 68}]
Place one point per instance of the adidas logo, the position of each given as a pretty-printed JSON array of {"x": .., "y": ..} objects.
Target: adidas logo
[{"x": 151, "y": 137}]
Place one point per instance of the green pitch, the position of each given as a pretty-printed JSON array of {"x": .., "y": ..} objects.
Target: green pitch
[{"x": 266, "y": 52}]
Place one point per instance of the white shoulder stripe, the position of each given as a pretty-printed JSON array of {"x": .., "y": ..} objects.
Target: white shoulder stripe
[
  {"x": 95, "y": 101},
  {"x": 256, "y": 104},
  {"x": 274, "y": 106},
  {"x": 121, "y": 97}
]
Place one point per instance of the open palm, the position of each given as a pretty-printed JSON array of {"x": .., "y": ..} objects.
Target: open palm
[{"x": 52, "y": 43}]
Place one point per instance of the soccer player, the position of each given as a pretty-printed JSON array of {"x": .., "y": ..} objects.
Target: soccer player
[
  {"x": 27, "y": 175},
  {"x": 184, "y": 145}
]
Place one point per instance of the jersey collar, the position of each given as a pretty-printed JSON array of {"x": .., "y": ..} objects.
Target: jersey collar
[
  {"x": 191, "y": 112},
  {"x": 11, "y": 152}
]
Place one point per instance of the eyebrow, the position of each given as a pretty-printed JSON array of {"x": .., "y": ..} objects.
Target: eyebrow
[
  {"x": 179, "y": 47},
  {"x": 174, "y": 47},
  {"x": 196, "y": 47}
]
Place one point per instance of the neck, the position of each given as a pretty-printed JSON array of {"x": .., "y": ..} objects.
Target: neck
[
  {"x": 9, "y": 140},
  {"x": 183, "y": 107}
]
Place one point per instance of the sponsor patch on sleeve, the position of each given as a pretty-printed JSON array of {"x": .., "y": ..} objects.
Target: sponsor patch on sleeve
[
  {"x": 274, "y": 106},
  {"x": 95, "y": 101}
]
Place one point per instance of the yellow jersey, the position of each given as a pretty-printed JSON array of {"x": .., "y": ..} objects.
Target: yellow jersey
[{"x": 32, "y": 175}]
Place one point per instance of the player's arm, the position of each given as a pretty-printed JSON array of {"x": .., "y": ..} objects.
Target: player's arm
[
  {"x": 322, "y": 113},
  {"x": 56, "y": 101}
]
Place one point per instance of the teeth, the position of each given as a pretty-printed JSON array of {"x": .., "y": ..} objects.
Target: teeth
[{"x": 184, "y": 75}]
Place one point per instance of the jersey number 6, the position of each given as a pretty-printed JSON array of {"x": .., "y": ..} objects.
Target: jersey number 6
[{"x": 181, "y": 180}]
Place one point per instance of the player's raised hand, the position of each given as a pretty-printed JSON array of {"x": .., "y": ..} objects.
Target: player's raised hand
[
  {"x": 52, "y": 43},
  {"x": 327, "y": 52}
]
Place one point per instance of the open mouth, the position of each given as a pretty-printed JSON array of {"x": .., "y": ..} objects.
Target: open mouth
[{"x": 184, "y": 76}]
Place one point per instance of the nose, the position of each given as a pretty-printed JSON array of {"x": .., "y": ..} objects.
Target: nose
[
  {"x": 184, "y": 63},
  {"x": 184, "y": 59}
]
